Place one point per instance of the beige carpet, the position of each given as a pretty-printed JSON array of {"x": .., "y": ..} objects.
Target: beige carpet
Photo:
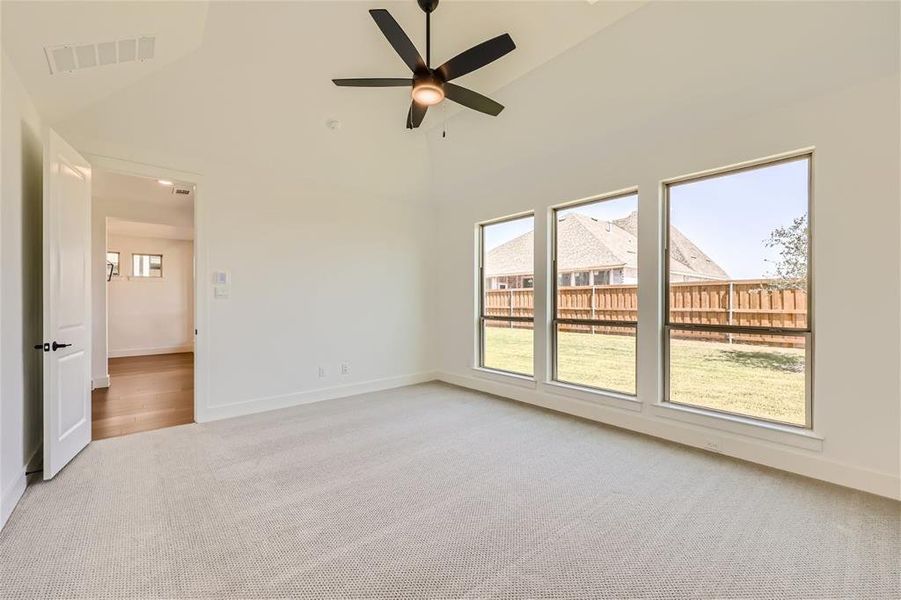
[{"x": 433, "y": 491}]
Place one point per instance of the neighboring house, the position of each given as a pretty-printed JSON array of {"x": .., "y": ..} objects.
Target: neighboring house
[{"x": 594, "y": 252}]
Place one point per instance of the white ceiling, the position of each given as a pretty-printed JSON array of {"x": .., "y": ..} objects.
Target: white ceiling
[
  {"x": 256, "y": 90},
  {"x": 245, "y": 86},
  {"x": 30, "y": 26},
  {"x": 149, "y": 230},
  {"x": 129, "y": 188},
  {"x": 284, "y": 41}
]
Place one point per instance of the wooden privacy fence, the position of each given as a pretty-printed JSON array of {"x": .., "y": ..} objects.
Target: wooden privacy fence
[{"x": 757, "y": 303}]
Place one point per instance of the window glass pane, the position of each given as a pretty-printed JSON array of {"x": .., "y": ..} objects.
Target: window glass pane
[
  {"x": 581, "y": 278},
  {"x": 598, "y": 241},
  {"x": 507, "y": 291},
  {"x": 509, "y": 346},
  {"x": 147, "y": 265},
  {"x": 597, "y": 356},
  {"x": 738, "y": 248},
  {"x": 112, "y": 261},
  {"x": 509, "y": 249},
  {"x": 600, "y": 278},
  {"x": 760, "y": 376}
]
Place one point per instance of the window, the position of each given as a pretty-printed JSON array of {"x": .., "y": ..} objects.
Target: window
[
  {"x": 112, "y": 264},
  {"x": 737, "y": 332},
  {"x": 595, "y": 323},
  {"x": 147, "y": 265},
  {"x": 581, "y": 278},
  {"x": 600, "y": 278},
  {"x": 506, "y": 328}
]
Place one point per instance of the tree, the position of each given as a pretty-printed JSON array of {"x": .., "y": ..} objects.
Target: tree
[{"x": 790, "y": 269}]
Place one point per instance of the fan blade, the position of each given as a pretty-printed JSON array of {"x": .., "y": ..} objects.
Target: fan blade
[
  {"x": 471, "y": 99},
  {"x": 416, "y": 115},
  {"x": 476, "y": 57},
  {"x": 374, "y": 82},
  {"x": 398, "y": 39}
]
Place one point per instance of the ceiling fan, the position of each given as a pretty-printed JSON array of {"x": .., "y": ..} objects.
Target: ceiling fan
[{"x": 431, "y": 86}]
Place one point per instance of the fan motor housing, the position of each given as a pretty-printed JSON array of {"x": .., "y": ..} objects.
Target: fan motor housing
[{"x": 428, "y": 5}]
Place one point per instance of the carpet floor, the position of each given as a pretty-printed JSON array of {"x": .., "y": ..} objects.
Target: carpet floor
[{"x": 433, "y": 491}]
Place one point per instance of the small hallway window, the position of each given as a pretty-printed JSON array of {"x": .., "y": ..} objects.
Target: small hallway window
[
  {"x": 112, "y": 264},
  {"x": 147, "y": 265}
]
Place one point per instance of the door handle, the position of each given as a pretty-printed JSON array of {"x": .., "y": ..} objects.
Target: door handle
[
  {"x": 44, "y": 347},
  {"x": 56, "y": 346}
]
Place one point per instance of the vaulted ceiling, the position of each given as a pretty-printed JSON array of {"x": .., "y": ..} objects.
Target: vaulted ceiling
[
  {"x": 246, "y": 85},
  {"x": 249, "y": 83}
]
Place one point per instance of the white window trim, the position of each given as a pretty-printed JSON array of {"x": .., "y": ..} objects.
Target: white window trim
[
  {"x": 591, "y": 395},
  {"x": 797, "y": 437},
  {"x": 507, "y": 377}
]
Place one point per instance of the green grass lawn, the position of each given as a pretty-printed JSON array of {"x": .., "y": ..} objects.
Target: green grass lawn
[{"x": 759, "y": 381}]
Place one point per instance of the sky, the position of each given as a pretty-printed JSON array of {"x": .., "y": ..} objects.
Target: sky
[
  {"x": 730, "y": 217},
  {"x": 727, "y": 217}
]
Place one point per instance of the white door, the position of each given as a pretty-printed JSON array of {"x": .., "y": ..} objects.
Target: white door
[{"x": 67, "y": 303}]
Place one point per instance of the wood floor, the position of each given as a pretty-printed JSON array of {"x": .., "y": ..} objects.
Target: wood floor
[{"x": 145, "y": 392}]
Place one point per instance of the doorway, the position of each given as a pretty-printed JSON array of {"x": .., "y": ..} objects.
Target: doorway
[{"x": 144, "y": 305}]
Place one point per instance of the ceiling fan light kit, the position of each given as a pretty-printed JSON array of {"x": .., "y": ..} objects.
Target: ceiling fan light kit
[
  {"x": 430, "y": 86},
  {"x": 428, "y": 92}
]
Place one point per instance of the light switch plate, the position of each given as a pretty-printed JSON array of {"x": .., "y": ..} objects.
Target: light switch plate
[
  {"x": 220, "y": 278},
  {"x": 220, "y": 291}
]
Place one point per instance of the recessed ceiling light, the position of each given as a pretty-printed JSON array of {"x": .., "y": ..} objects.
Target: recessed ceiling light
[{"x": 164, "y": 182}]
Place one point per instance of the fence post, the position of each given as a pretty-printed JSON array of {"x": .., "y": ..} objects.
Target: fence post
[
  {"x": 510, "y": 305},
  {"x": 593, "y": 330},
  {"x": 729, "y": 317}
]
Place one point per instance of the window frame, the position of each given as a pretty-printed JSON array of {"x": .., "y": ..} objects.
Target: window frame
[
  {"x": 554, "y": 278},
  {"x": 481, "y": 317},
  {"x": 807, "y": 332},
  {"x": 135, "y": 254}
]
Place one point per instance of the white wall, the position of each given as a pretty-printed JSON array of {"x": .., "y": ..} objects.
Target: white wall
[
  {"x": 321, "y": 273},
  {"x": 20, "y": 286},
  {"x": 149, "y": 315},
  {"x": 634, "y": 122},
  {"x": 125, "y": 208}
]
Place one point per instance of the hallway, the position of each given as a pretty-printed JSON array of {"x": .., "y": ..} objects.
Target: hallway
[{"x": 145, "y": 393}]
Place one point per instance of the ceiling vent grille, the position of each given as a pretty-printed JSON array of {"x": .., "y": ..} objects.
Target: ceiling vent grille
[{"x": 74, "y": 57}]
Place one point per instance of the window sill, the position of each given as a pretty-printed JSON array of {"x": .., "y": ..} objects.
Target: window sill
[
  {"x": 771, "y": 432},
  {"x": 506, "y": 377},
  {"x": 584, "y": 394}
]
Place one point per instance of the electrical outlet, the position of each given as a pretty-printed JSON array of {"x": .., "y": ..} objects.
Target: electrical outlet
[
  {"x": 345, "y": 368},
  {"x": 322, "y": 371},
  {"x": 711, "y": 446}
]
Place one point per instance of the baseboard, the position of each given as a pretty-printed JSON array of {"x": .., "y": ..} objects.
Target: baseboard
[
  {"x": 100, "y": 382},
  {"x": 257, "y": 405},
  {"x": 148, "y": 352},
  {"x": 785, "y": 458},
  {"x": 10, "y": 497}
]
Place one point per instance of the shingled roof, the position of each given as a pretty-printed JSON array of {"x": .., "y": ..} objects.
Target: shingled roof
[{"x": 589, "y": 244}]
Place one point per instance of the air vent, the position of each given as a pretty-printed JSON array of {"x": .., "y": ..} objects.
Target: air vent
[{"x": 74, "y": 57}]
